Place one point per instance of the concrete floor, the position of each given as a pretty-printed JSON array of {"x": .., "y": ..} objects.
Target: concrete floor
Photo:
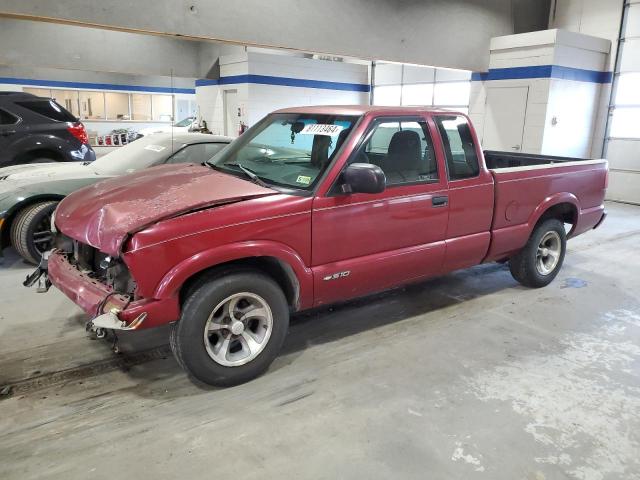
[{"x": 465, "y": 376}]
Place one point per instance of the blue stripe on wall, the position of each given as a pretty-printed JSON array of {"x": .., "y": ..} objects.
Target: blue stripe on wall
[
  {"x": 285, "y": 81},
  {"x": 93, "y": 86},
  {"x": 544, "y": 71}
]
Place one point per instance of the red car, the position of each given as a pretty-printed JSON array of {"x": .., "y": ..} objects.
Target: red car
[{"x": 310, "y": 206}]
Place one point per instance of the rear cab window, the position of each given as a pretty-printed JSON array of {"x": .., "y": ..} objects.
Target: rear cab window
[
  {"x": 458, "y": 145},
  {"x": 49, "y": 109}
]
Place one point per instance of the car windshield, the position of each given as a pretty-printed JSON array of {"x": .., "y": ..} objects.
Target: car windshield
[
  {"x": 142, "y": 153},
  {"x": 287, "y": 149},
  {"x": 184, "y": 123}
]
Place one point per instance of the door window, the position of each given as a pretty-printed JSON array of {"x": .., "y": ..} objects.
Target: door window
[
  {"x": 459, "y": 147},
  {"x": 402, "y": 149}
]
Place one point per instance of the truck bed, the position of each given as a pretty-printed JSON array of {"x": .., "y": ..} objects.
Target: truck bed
[
  {"x": 526, "y": 184},
  {"x": 496, "y": 159}
]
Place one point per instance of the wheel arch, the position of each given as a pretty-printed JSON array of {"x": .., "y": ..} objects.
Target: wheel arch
[
  {"x": 28, "y": 155},
  {"x": 563, "y": 206},
  {"x": 275, "y": 260}
]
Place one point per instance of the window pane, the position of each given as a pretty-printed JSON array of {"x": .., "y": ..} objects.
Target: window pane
[
  {"x": 403, "y": 150},
  {"x": 625, "y": 122},
  {"x": 92, "y": 105},
  {"x": 49, "y": 109},
  {"x": 162, "y": 107},
  {"x": 68, "y": 99},
  {"x": 40, "y": 92},
  {"x": 628, "y": 92},
  {"x": 459, "y": 149},
  {"x": 117, "y": 106},
  {"x": 141, "y": 106},
  {"x": 452, "y": 93},
  {"x": 7, "y": 118},
  {"x": 417, "y": 94},
  {"x": 386, "y": 95}
]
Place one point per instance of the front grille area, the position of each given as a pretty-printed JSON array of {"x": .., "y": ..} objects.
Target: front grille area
[{"x": 113, "y": 272}]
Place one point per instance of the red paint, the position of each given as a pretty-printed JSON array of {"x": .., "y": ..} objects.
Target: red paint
[
  {"x": 103, "y": 214},
  {"x": 171, "y": 222}
]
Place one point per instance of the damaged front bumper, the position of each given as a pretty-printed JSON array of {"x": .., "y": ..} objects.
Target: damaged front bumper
[{"x": 108, "y": 309}]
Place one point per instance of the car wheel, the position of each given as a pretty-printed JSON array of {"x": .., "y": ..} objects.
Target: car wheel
[
  {"x": 231, "y": 328},
  {"x": 538, "y": 263},
  {"x": 31, "y": 231}
]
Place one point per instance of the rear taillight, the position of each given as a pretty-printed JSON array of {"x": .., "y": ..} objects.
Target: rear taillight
[{"x": 78, "y": 131}]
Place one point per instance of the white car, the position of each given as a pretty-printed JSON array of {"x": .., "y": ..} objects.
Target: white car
[{"x": 183, "y": 126}]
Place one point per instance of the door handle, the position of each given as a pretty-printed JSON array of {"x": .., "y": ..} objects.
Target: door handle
[
  {"x": 439, "y": 201},
  {"x": 6, "y": 133},
  {"x": 516, "y": 147}
]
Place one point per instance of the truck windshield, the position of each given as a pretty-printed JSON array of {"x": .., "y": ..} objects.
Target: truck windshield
[{"x": 287, "y": 149}]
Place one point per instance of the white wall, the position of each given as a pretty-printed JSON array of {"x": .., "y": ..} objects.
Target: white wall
[
  {"x": 561, "y": 114},
  {"x": 255, "y": 100},
  {"x": 266, "y": 98},
  {"x": 599, "y": 18}
]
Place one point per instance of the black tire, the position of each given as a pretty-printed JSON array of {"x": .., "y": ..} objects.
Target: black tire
[
  {"x": 187, "y": 335},
  {"x": 28, "y": 223},
  {"x": 525, "y": 266}
]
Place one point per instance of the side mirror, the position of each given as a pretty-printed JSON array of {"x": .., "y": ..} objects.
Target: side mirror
[{"x": 363, "y": 178}]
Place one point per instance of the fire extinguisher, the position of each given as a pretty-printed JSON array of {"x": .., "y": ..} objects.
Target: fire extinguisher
[{"x": 243, "y": 128}]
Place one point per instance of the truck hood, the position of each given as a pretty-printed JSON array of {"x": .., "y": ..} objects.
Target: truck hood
[
  {"x": 30, "y": 174},
  {"x": 104, "y": 214}
]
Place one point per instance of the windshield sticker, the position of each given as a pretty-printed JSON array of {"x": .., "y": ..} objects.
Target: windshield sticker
[
  {"x": 155, "y": 148},
  {"x": 303, "y": 179},
  {"x": 322, "y": 129}
]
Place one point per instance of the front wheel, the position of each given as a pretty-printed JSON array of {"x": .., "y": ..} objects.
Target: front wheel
[
  {"x": 231, "y": 328},
  {"x": 538, "y": 263},
  {"x": 31, "y": 231}
]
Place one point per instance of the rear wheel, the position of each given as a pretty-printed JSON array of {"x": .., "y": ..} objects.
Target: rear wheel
[
  {"x": 538, "y": 263},
  {"x": 31, "y": 231},
  {"x": 231, "y": 328}
]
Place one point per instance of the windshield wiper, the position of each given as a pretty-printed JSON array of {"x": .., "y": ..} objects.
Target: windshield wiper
[{"x": 249, "y": 173}]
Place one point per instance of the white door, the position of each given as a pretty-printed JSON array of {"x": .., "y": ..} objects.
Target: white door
[
  {"x": 622, "y": 147},
  {"x": 231, "y": 118},
  {"x": 504, "y": 115},
  {"x": 182, "y": 109}
]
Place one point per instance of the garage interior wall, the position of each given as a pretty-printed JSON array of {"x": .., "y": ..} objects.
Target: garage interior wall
[
  {"x": 415, "y": 31},
  {"x": 261, "y": 81},
  {"x": 403, "y": 84},
  {"x": 107, "y": 78}
]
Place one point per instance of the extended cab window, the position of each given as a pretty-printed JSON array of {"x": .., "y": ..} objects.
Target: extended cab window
[
  {"x": 402, "y": 149},
  {"x": 459, "y": 148}
]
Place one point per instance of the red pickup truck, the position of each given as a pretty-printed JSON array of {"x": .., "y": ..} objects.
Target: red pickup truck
[{"x": 310, "y": 206}]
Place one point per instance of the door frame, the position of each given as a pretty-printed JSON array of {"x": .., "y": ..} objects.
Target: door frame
[{"x": 225, "y": 106}]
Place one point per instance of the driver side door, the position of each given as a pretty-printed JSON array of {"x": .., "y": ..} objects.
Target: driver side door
[{"x": 363, "y": 243}]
